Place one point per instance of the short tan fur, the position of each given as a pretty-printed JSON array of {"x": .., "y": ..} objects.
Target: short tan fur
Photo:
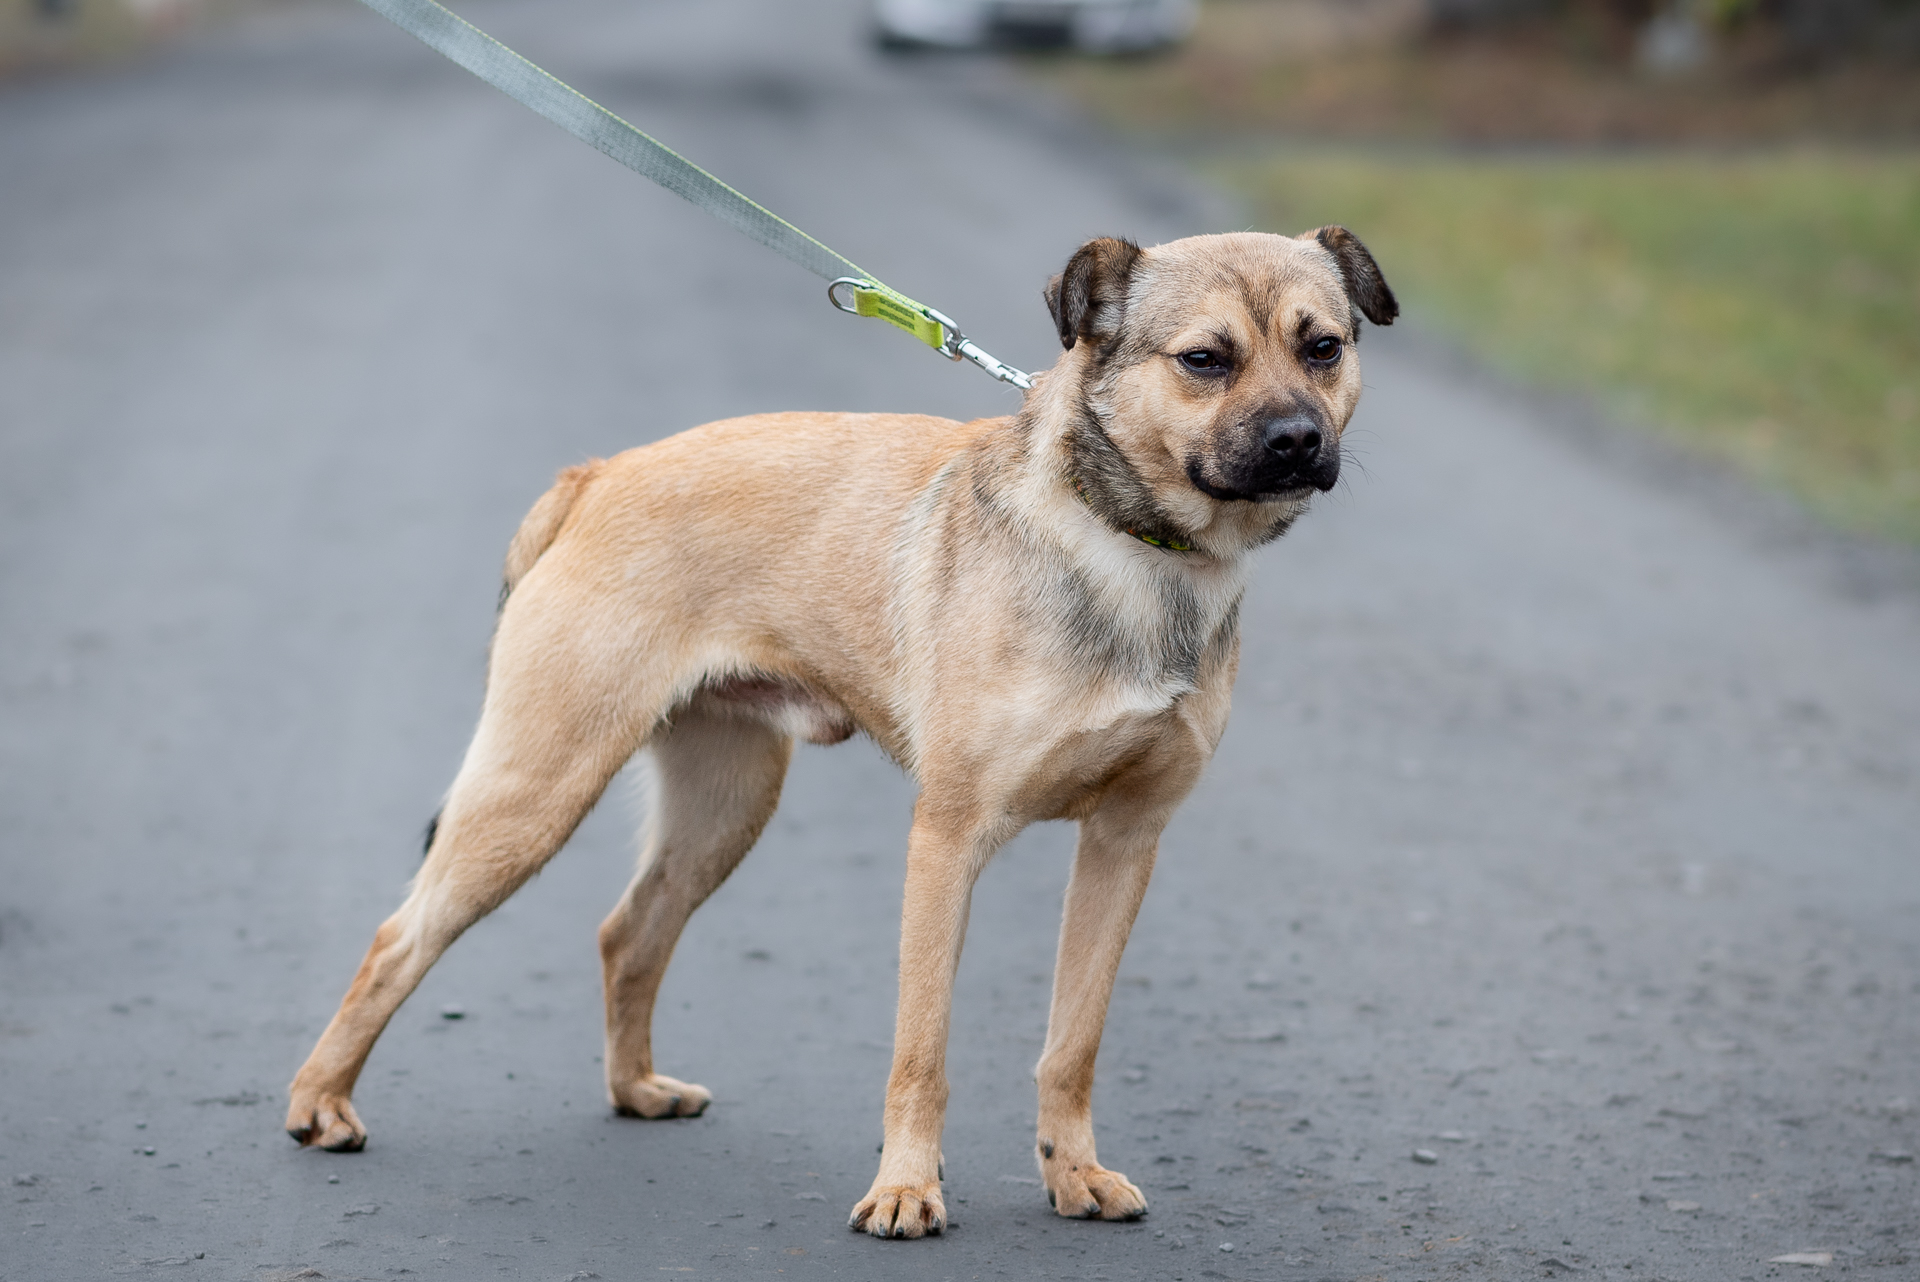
[{"x": 1035, "y": 615}]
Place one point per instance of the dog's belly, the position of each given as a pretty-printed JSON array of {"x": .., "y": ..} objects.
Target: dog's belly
[{"x": 785, "y": 705}]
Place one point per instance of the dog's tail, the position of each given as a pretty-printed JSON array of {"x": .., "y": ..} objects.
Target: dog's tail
[{"x": 542, "y": 526}]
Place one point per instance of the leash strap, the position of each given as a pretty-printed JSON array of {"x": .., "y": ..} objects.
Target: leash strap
[{"x": 461, "y": 42}]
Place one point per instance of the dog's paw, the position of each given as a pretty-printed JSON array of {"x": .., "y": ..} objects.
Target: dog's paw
[
  {"x": 325, "y": 1120},
  {"x": 655, "y": 1096},
  {"x": 900, "y": 1210},
  {"x": 1085, "y": 1191}
]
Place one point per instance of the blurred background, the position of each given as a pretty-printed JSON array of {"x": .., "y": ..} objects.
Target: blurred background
[{"x": 1613, "y": 196}]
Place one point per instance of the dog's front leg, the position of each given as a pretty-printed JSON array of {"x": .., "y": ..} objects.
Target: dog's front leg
[
  {"x": 1110, "y": 873},
  {"x": 944, "y": 857}
]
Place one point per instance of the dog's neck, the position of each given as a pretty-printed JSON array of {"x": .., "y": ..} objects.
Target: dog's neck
[
  {"x": 1165, "y": 541},
  {"x": 1102, "y": 478},
  {"x": 1069, "y": 447},
  {"x": 1140, "y": 615}
]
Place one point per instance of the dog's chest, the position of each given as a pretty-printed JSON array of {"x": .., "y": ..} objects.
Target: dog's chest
[{"x": 1136, "y": 626}]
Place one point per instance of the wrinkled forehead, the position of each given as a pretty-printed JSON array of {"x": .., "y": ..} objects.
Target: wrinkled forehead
[{"x": 1261, "y": 286}]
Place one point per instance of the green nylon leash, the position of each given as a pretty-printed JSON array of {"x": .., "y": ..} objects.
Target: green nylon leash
[{"x": 853, "y": 290}]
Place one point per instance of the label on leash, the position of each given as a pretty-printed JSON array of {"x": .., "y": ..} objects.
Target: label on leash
[{"x": 901, "y": 313}]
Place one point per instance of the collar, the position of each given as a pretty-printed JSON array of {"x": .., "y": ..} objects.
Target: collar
[{"x": 1165, "y": 545}]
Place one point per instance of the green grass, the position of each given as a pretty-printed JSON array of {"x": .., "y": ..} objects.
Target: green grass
[{"x": 1761, "y": 308}]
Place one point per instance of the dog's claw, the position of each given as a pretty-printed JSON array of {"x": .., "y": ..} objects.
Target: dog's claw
[
  {"x": 326, "y": 1122},
  {"x": 656, "y": 1096},
  {"x": 1088, "y": 1192},
  {"x": 898, "y": 1211}
]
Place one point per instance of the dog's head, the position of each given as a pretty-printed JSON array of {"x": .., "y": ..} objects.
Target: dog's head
[{"x": 1207, "y": 381}]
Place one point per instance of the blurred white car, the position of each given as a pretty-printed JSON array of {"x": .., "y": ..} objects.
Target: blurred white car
[{"x": 1100, "y": 26}]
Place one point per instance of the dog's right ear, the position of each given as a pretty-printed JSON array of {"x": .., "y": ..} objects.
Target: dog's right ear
[{"x": 1089, "y": 298}]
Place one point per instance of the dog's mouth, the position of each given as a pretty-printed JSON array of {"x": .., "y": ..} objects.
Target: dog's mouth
[{"x": 1293, "y": 489}]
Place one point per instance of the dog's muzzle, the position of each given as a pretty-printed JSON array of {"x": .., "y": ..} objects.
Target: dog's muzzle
[{"x": 1283, "y": 456}]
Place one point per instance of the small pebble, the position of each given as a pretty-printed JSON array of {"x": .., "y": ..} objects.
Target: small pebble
[
  {"x": 333, "y": 1179},
  {"x": 1893, "y": 1157},
  {"x": 1682, "y": 1208},
  {"x": 1425, "y": 1156},
  {"x": 148, "y": 1150},
  {"x": 452, "y": 1012},
  {"x": 1453, "y": 1137},
  {"x": 1227, "y": 1247}
]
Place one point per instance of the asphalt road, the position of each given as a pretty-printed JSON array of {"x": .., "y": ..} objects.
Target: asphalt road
[{"x": 1566, "y": 828}]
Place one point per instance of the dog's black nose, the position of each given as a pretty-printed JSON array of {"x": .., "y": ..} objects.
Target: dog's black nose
[{"x": 1294, "y": 441}]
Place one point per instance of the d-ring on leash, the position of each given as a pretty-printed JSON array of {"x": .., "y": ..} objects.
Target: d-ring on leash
[
  {"x": 460, "y": 41},
  {"x": 935, "y": 329}
]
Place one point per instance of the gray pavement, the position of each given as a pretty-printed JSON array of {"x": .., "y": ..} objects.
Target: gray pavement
[{"x": 1566, "y": 828}]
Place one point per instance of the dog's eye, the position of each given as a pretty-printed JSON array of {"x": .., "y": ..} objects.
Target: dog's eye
[
  {"x": 1327, "y": 349},
  {"x": 1201, "y": 359}
]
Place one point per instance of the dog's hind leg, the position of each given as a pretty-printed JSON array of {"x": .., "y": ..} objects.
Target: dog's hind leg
[
  {"x": 718, "y": 780},
  {"x": 559, "y": 722}
]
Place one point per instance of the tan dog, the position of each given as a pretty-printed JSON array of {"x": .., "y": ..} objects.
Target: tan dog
[{"x": 1037, "y": 616}]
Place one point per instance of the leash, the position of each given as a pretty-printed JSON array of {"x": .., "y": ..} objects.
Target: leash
[{"x": 851, "y": 289}]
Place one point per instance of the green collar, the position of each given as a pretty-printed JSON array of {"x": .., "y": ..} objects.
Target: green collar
[{"x": 1166, "y": 545}]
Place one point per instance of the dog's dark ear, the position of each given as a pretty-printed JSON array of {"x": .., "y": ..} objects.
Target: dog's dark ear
[
  {"x": 1366, "y": 287},
  {"x": 1088, "y": 298}
]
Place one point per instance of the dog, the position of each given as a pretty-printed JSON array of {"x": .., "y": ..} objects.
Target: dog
[{"x": 1037, "y": 616}]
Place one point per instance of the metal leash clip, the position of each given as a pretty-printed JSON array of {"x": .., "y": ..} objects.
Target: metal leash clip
[{"x": 936, "y": 329}]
